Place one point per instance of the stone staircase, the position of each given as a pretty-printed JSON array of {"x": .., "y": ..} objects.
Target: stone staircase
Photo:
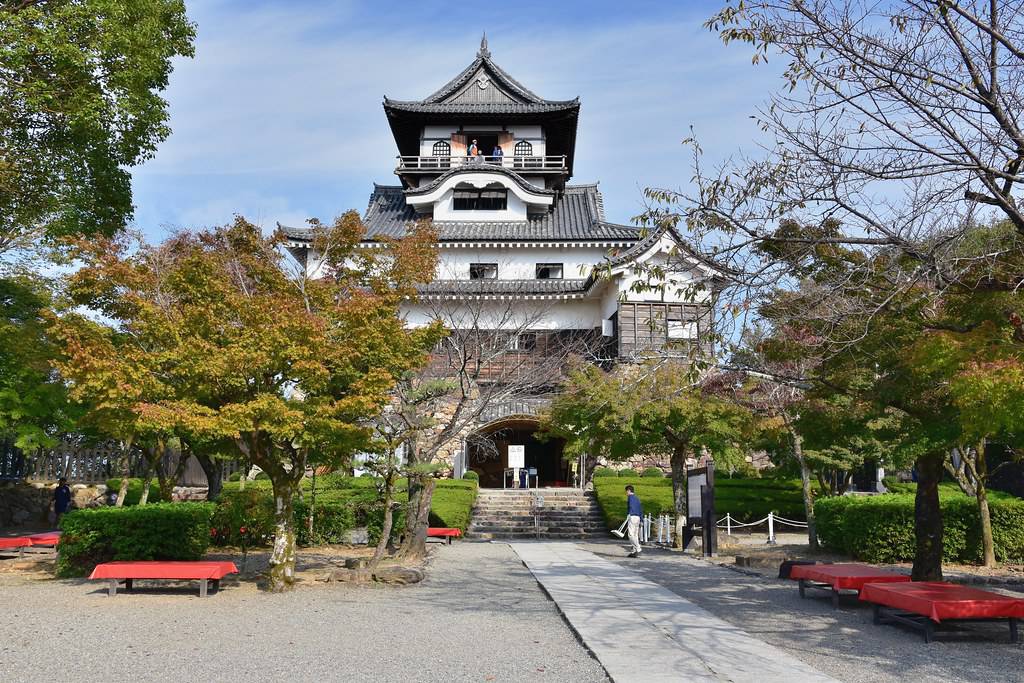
[{"x": 515, "y": 514}]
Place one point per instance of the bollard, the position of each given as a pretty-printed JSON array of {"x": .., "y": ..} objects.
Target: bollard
[
  {"x": 728, "y": 524},
  {"x": 671, "y": 525},
  {"x": 771, "y": 529}
]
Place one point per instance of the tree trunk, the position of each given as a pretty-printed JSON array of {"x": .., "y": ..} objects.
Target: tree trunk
[
  {"x": 282, "y": 557},
  {"x": 805, "y": 485},
  {"x": 168, "y": 480},
  {"x": 126, "y": 470},
  {"x": 678, "y": 462},
  {"x": 421, "y": 493},
  {"x": 213, "y": 468},
  {"x": 928, "y": 519},
  {"x": 147, "y": 481},
  {"x": 981, "y": 471},
  {"x": 389, "y": 517}
]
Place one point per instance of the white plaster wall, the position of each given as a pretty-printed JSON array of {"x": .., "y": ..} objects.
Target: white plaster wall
[
  {"x": 532, "y": 134},
  {"x": 556, "y": 314},
  {"x": 519, "y": 263},
  {"x": 443, "y": 210}
]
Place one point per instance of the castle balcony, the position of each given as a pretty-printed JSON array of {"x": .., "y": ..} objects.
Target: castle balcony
[{"x": 555, "y": 164}]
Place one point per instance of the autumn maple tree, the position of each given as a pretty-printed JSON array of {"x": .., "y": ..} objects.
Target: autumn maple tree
[{"x": 218, "y": 335}]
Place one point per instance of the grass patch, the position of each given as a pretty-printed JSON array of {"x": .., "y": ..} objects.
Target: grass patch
[
  {"x": 451, "y": 506},
  {"x": 744, "y": 499}
]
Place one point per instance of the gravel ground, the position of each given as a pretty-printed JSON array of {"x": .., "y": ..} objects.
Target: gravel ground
[
  {"x": 479, "y": 616},
  {"x": 844, "y": 643}
]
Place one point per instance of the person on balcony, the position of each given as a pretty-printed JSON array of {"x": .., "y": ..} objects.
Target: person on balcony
[
  {"x": 496, "y": 154},
  {"x": 473, "y": 150}
]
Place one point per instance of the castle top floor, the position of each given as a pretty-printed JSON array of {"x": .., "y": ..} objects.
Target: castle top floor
[{"x": 484, "y": 118}]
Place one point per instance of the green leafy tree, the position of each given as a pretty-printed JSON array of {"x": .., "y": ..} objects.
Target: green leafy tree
[
  {"x": 34, "y": 407},
  {"x": 80, "y": 86},
  {"x": 653, "y": 408}
]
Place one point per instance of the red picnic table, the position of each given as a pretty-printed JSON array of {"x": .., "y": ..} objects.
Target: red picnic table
[
  {"x": 840, "y": 577},
  {"x": 19, "y": 542},
  {"x": 443, "y": 532},
  {"x": 199, "y": 570},
  {"x": 924, "y": 604}
]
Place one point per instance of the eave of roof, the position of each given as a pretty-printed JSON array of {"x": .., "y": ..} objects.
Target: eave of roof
[{"x": 479, "y": 168}]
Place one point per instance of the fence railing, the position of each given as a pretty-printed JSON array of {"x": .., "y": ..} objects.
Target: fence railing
[
  {"x": 662, "y": 527},
  {"x": 91, "y": 465},
  {"x": 434, "y": 164}
]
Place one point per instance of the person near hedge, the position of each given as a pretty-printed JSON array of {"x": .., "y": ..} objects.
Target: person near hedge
[
  {"x": 634, "y": 513},
  {"x": 61, "y": 499}
]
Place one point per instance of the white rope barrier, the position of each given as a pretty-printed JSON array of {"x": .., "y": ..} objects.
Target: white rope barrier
[{"x": 660, "y": 529}]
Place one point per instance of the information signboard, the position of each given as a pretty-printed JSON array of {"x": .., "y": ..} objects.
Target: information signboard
[{"x": 517, "y": 456}]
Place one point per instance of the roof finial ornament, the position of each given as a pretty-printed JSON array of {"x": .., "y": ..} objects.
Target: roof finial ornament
[{"x": 484, "y": 52}]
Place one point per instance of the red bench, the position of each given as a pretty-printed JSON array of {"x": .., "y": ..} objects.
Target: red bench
[
  {"x": 443, "y": 532},
  {"x": 923, "y": 605},
  {"x": 49, "y": 538},
  {"x": 840, "y": 577},
  {"x": 200, "y": 570}
]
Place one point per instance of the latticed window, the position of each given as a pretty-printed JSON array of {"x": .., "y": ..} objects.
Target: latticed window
[
  {"x": 472, "y": 199},
  {"x": 523, "y": 149},
  {"x": 442, "y": 149}
]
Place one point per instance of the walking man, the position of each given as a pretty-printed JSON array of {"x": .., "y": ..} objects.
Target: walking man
[{"x": 634, "y": 512}]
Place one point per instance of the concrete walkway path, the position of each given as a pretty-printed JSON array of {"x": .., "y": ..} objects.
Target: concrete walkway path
[{"x": 641, "y": 631}]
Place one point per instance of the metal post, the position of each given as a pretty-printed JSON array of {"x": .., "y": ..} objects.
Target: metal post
[
  {"x": 728, "y": 524},
  {"x": 771, "y": 528}
]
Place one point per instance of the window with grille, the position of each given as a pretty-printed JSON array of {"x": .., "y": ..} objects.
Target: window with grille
[
  {"x": 483, "y": 271},
  {"x": 549, "y": 271},
  {"x": 487, "y": 199},
  {"x": 523, "y": 149},
  {"x": 442, "y": 149}
]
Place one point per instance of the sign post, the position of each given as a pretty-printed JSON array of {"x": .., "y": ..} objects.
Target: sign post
[
  {"x": 700, "y": 508},
  {"x": 516, "y": 461}
]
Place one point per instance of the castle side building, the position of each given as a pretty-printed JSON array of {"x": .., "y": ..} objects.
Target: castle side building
[{"x": 522, "y": 251}]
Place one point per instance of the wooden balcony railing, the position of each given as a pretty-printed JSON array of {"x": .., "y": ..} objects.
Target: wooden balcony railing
[{"x": 541, "y": 164}]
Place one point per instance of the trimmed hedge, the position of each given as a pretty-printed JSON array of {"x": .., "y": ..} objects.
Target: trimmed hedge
[
  {"x": 605, "y": 472},
  {"x": 134, "y": 494},
  {"x": 162, "y": 531},
  {"x": 342, "y": 504},
  {"x": 652, "y": 473},
  {"x": 881, "y": 528},
  {"x": 627, "y": 472},
  {"x": 471, "y": 475}
]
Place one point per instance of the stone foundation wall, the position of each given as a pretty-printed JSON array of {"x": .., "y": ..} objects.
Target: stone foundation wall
[{"x": 24, "y": 504}]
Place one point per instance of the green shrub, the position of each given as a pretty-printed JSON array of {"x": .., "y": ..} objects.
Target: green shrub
[
  {"x": 452, "y": 505},
  {"x": 261, "y": 476},
  {"x": 134, "y": 494},
  {"x": 881, "y": 528},
  {"x": 627, "y": 472},
  {"x": 162, "y": 531},
  {"x": 332, "y": 522},
  {"x": 471, "y": 475},
  {"x": 235, "y": 476},
  {"x": 605, "y": 472},
  {"x": 652, "y": 473},
  {"x": 243, "y": 518}
]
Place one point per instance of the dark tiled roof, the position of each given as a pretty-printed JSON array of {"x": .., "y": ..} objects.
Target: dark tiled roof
[
  {"x": 503, "y": 287},
  {"x": 577, "y": 216},
  {"x": 480, "y": 107},
  {"x": 511, "y": 96}
]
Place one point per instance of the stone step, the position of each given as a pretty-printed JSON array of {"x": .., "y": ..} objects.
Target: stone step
[{"x": 509, "y": 519}]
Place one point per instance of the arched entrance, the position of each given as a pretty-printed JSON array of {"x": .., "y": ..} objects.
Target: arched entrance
[{"x": 487, "y": 452}]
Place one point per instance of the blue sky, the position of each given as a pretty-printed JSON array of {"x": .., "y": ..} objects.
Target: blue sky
[{"x": 279, "y": 115}]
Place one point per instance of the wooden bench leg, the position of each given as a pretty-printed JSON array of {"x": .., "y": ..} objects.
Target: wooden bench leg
[
  {"x": 449, "y": 540},
  {"x": 216, "y": 585},
  {"x": 202, "y": 588},
  {"x": 803, "y": 587},
  {"x": 835, "y": 598},
  {"x": 877, "y": 616},
  {"x": 112, "y": 589},
  {"x": 1014, "y": 635},
  {"x": 128, "y": 584}
]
